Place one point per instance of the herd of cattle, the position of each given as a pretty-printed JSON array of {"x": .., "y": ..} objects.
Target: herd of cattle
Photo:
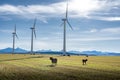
[{"x": 54, "y": 61}]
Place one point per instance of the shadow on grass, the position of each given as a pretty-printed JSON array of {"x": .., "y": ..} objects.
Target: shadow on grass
[
  {"x": 52, "y": 65},
  {"x": 22, "y": 58}
]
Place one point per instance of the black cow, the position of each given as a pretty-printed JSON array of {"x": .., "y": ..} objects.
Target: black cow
[
  {"x": 84, "y": 61},
  {"x": 53, "y": 60}
]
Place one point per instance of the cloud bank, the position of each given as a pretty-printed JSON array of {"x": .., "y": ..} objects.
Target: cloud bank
[{"x": 90, "y": 9}]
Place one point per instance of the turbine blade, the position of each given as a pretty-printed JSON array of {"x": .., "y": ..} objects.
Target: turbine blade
[
  {"x": 69, "y": 25},
  {"x": 34, "y": 23},
  {"x": 15, "y": 28},
  {"x": 34, "y": 27},
  {"x": 16, "y": 36},
  {"x": 61, "y": 24},
  {"x": 34, "y": 33},
  {"x": 15, "y": 32},
  {"x": 66, "y": 10}
]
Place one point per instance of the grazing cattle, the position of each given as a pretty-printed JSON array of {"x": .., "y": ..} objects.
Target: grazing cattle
[
  {"x": 66, "y": 55},
  {"x": 53, "y": 60},
  {"x": 84, "y": 61}
]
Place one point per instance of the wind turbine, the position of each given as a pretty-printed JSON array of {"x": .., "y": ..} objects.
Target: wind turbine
[
  {"x": 33, "y": 33},
  {"x": 65, "y": 22},
  {"x": 14, "y": 35}
]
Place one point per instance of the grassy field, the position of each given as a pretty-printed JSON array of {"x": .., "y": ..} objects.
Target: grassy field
[{"x": 38, "y": 67}]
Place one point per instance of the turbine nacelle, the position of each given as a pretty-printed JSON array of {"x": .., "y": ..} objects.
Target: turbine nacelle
[
  {"x": 32, "y": 28},
  {"x": 64, "y": 19},
  {"x": 13, "y": 33}
]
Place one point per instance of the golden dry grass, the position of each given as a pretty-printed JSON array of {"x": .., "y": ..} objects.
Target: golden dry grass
[{"x": 38, "y": 67}]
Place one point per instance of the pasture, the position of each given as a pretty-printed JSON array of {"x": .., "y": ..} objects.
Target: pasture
[{"x": 38, "y": 67}]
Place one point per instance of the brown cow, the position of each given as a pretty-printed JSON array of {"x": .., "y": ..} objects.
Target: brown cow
[
  {"x": 84, "y": 61},
  {"x": 53, "y": 60}
]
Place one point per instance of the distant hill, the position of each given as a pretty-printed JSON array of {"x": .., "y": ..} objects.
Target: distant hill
[
  {"x": 9, "y": 50},
  {"x": 6, "y": 50},
  {"x": 89, "y": 53},
  {"x": 95, "y": 53}
]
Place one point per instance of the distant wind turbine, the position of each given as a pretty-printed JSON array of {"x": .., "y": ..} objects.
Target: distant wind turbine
[
  {"x": 14, "y": 35},
  {"x": 33, "y": 34},
  {"x": 65, "y": 21}
]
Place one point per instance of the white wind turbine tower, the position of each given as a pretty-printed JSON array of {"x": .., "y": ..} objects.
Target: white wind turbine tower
[
  {"x": 33, "y": 33},
  {"x": 14, "y": 35},
  {"x": 65, "y": 22}
]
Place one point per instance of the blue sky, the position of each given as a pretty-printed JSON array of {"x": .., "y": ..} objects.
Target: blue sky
[{"x": 96, "y": 24}]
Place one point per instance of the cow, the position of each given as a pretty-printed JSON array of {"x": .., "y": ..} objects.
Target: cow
[
  {"x": 84, "y": 61},
  {"x": 53, "y": 60}
]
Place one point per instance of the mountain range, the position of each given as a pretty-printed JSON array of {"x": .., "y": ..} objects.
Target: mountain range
[
  {"x": 89, "y": 53},
  {"x": 9, "y": 50}
]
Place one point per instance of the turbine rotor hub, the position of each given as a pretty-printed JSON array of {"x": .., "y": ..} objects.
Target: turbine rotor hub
[
  {"x": 32, "y": 28},
  {"x": 64, "y": 19},
  {"x": 13, "y": 33}
]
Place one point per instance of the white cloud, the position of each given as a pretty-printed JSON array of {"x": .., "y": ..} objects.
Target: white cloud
[
  {"x": 95, "y": 39},
  {"x": 111, "y": 30},
  {"x": 77, "y": 8},
  {"x": 104, "y": 34},
  {"x": 92, "y": 31},
  {"x": 112, "y": 18},
  {"x": 9, "y": 9},
  {"x": 5, "y": 45},
  {"x": 82, "y": 8},
  {"x": 105, "y": 18},
  {"x": 6, "y": 31},
  {"x": 104, "y": 31}
]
